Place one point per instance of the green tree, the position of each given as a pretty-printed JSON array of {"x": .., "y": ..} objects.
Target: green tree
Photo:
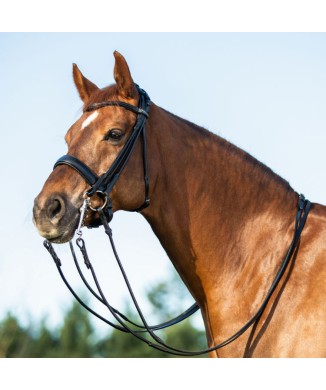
[
  {"x": 77, "y": 337},
  {"x": 184, "y": 336},
  {"x": 165, "y": 305},
  {"x": 15, "y": 341},
  {"x": 72, "y": 339},
  {"x": 45, "y": 342},
  {"x": 76, "y": 334}
]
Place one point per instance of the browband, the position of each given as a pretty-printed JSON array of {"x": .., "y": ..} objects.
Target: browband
[{"x": 117, "y": 103}]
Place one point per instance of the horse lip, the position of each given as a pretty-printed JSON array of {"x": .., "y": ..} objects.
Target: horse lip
[{"x": 60, "y": 236}]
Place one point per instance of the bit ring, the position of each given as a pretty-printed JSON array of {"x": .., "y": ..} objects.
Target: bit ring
[{"x": 103, "y": 205}]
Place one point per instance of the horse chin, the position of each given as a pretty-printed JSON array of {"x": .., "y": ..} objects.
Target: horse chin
[
  {"x": 58, "y": 235},
  {"x": 66, "y": 236}
]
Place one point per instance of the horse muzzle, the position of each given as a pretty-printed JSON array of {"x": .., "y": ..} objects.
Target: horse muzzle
[{"x": 55, "y": 217}]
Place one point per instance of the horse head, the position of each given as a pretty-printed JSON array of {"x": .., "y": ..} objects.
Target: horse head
[{"x": 96, "y": 139}]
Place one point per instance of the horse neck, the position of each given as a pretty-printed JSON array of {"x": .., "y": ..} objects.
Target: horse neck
[{"x": 206, "y": 196}]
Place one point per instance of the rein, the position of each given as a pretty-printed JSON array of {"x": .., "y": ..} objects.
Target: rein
[{"x": 102, "y": 185}]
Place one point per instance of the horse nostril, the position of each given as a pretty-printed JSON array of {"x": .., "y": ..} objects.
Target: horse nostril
[{"x": 56, "y": 208}]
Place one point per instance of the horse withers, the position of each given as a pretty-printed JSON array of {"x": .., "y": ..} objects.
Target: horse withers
[{"x": 225, "y": 220}]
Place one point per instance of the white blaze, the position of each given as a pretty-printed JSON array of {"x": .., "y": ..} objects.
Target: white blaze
[{"x": 89, "y": 119}]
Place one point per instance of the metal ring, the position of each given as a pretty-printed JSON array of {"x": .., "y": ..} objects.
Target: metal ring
[{"x": 103, "y": 205}]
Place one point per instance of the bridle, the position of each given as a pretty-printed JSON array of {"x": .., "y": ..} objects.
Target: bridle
[{"x": 103, "y": 185}]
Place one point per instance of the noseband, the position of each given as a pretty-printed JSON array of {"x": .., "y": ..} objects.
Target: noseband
[{"x": 103, "y": 184}]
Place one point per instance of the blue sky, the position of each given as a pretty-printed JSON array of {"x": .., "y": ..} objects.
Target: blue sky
[{"x": 265, "y": 92}]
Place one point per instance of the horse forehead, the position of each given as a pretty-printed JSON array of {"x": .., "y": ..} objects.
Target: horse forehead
[
  {"x": 80, "y": 125},
  {"x": 89, "y": 119}
]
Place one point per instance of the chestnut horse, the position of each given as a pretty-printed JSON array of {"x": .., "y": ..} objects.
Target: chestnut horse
[{"x": 224, "y": 219}]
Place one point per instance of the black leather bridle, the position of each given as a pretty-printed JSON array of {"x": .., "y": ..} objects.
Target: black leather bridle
[{"x": 103, "y": 185}]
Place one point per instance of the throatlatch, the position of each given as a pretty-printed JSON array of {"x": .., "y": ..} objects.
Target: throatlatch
[{"x": 103, "y": 185}]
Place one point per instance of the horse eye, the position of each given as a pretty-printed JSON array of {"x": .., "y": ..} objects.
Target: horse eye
[{"x": 114, "y": 135}]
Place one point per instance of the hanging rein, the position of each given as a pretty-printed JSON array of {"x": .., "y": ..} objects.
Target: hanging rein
[{"x": 102, "y": 186}]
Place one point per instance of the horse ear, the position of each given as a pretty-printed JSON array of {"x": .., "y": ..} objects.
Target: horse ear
[
  {"x": 123, "y": 77},
  {"x": 84, "y": 87}
]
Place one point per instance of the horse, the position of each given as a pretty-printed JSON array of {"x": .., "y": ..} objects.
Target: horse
[{"x": 224, "y": 219}]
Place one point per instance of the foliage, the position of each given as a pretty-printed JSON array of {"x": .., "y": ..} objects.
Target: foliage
[{"x": 77, "y": 336}]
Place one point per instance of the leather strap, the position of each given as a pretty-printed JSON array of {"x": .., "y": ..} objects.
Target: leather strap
[
  {"x": 79, "y": 166},
  {"x": 117, "y": 103}
]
